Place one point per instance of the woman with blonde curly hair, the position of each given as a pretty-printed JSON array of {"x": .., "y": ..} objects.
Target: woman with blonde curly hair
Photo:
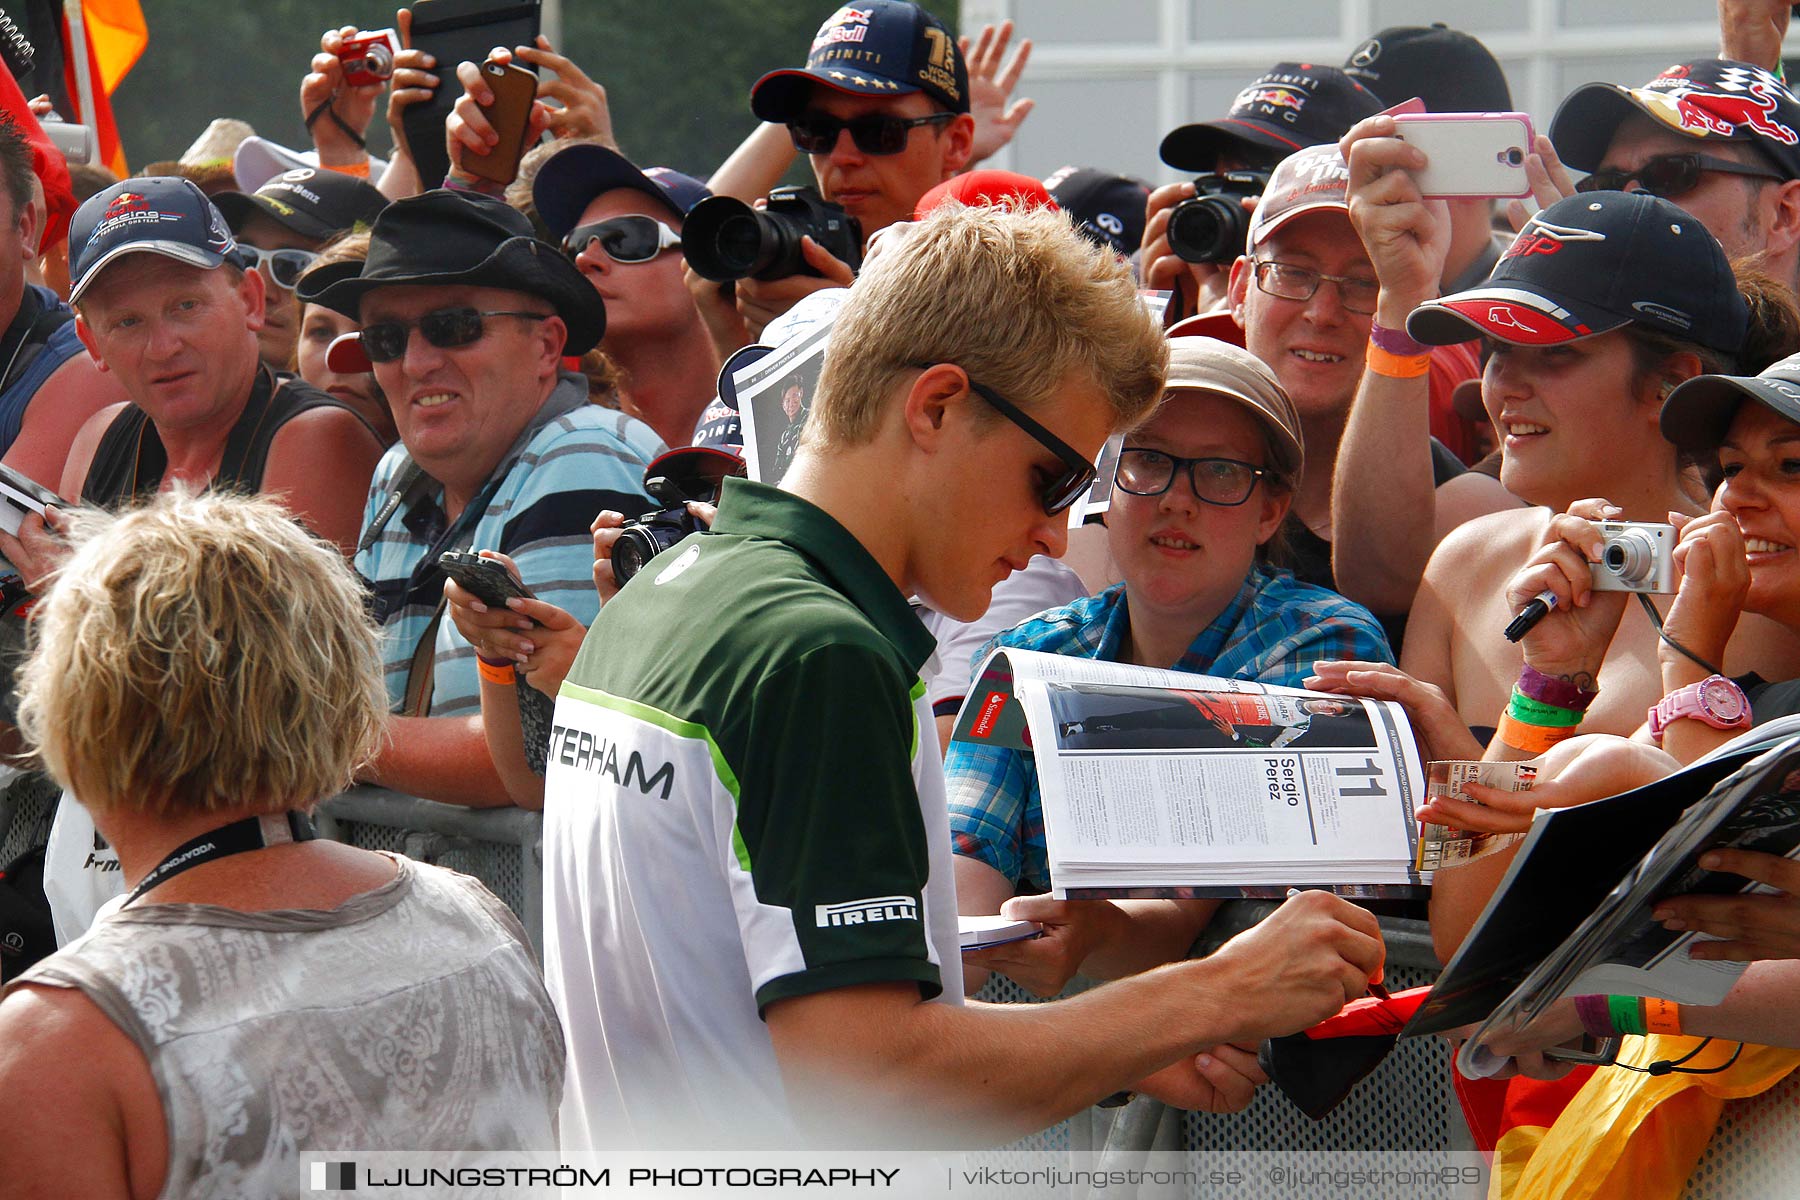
[{"x": 203, "y": 676}]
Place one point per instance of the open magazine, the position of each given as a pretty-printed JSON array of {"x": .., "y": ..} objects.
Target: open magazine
[
  {"x": 775, "y": 395},
  {"x": 1572, "y": 915},
  {"x": 1165, "y": 783}
]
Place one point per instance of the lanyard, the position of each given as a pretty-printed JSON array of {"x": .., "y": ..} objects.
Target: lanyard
[{"x": 250, "y": 833}]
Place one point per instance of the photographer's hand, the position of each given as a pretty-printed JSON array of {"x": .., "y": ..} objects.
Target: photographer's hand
[
  {"x": 578, "y": 106},
  {"x": 760, "y": 301},
  {"x": 717, "y": 306},
  {"x": 323, "y": 92},
  {"x": 1571, "y": 641},
  {"x": 413, "y": 83},
  {"x": 1548, "y": 178},
  {"x": 1198, "y": 287},
  {"x": 467, "y": 130},
  {"x": 606, "y": 528}
]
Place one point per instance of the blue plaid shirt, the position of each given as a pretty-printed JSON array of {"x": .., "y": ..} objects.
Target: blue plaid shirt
[{"x": 1273, "y": 631}]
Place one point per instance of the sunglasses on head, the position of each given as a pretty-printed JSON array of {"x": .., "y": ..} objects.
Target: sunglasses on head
[
  {"x": 1077, "y": 475},
  {"x": 445, "y": 328},
  {"x": 628, "y": 239},
  {"x": 873, "y": 133},
  {"x": 1671, "y": 175},
  {"x": 283, "y": 267}
]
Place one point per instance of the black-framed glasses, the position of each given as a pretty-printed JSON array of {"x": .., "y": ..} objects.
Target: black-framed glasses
[
  {"x": 873, "y": 133},
  {"x": 1291, "y": 282},
  {"x": 1671, "y": 175},
  {"x": 1226, "y": 482},
  {"x": 445, "y": 328},
  {"x": 283, "y": 267},
  {"x": 628, "y": 239},
  {"x": 1077, "y": 475}
]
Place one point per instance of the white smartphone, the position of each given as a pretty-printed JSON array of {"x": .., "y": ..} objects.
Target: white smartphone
[{"x": 1469, "y": 154}]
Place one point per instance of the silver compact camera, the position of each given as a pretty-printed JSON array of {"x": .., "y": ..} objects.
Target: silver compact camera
[{"x": 1636, "y": 556}]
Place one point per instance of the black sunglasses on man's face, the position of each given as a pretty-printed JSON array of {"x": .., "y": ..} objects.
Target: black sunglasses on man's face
[{"x": 1077, "y": 475}]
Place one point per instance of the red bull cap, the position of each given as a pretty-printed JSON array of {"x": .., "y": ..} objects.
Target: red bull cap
[
  {"x": 1292, "y": 106},
  {"x": 1706, "y": 99}
]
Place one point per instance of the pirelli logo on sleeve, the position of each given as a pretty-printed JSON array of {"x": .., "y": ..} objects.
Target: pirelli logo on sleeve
[{"x": 868, "y": 912}]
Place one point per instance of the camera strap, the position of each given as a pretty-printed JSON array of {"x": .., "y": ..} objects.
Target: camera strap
[{"x": 239, "y": 837}]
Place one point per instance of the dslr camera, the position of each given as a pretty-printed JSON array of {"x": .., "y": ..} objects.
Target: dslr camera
[
  {"x": 652, "y": 533},
  {"x": 1213, "y": 226},
  {"x": 369, "y": 57},
  {"x": 1636, "y": 556},
  {"x": 725, "y": 239}
]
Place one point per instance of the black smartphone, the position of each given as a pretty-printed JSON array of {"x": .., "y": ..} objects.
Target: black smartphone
[
  {"x": 452, "y": 32},
  {"x": 486, "y": 580}
]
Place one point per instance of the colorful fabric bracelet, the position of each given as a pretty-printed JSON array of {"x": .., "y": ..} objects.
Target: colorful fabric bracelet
[
  {"x": 1396, "y": 341},
  {"x": 1627, "y": 1014},
  {"x": 1395, "y": 366},
  {"x": 500, "y": 673},
  {"x": 1539, "y": 712},
  {"x": 1662, "y": 1016},
  {"x": 1560, "y": 692},
  {"x": 1528, "y": 738},
  {"x": 1596, "y": 1019}
]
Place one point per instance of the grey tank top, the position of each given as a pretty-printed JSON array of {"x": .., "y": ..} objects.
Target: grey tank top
[{"x": 412, "y": 1017}]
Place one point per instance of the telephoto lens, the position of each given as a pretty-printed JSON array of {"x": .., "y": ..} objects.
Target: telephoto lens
[
  {"x": 725, "y": 239},
  {"x": 1213, "y": 226}
]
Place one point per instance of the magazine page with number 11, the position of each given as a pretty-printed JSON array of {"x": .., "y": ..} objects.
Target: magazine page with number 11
[{"x": 1163, "y": 783}]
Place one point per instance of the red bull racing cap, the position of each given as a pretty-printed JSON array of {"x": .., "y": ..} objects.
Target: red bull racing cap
[
  {"x": 1292, "y": 106},
  {"x": 1711, "y": 98},
  {"x": 876, "y": 48},
  {"x": 1591, "y": 263}
]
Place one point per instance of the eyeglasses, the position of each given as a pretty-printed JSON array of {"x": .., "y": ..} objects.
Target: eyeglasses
[
  {"x": 445, "y": 328},
  {"x": 1225, "y": 482},
  {"x": 873, "y": 133},
  {"x": 1671, "y": 175},
  {"x": 1077, "y": 475},
  {"x": 283, "y": 267},
  {"x": 1299, "y": 283},
  {"x": 628, "y": 239}
]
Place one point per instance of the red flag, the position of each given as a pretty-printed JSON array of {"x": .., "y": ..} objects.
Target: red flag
[{"x": 46, "y": 161}]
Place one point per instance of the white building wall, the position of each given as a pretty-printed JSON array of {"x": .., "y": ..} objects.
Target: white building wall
[{"x": 1110, "y": 78}]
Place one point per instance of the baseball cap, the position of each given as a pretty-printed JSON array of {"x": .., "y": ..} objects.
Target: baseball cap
[
  {"x": 718, "y": 446},
  {"x": 1003, "y": 189},
  {"x": 258, "y": 160},
  {"x": 1446, "y": 68},
  {"x": 1106, "y": 208},
  {"x": 164, "y": 215},
  {"x": 570, "y": 179},
  {"x": 1699, "y": 412},
  {"x": 1293, "y": 106},
  {"x": 1204, "y": 364},
  {"x": 1312, "y": 179},
  {"x": 313, "y": 202},
  {"x": 878, "y": 48},
  {"x": 1594, "y": 262},
  {"x": 1706, "y": 99}
]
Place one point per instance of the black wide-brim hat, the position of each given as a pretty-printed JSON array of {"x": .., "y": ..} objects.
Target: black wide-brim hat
[
  {"x": 462, "y": 238},
  {"x": 1698, "y": 413}
]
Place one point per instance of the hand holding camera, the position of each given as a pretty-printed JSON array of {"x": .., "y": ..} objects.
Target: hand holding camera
[
  {"x": 630, "y": 547},
  {"x": 339, "y": 94},
  {"x": 1571, "y": 640},
  {"x": 1715, "y": 581}
]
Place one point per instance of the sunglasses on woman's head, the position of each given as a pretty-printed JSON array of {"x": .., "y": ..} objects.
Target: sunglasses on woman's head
[
  {"x": 445, "y": 328},
  {"x": 873, "y": 133},
  {"x": 627, "y": 239}
]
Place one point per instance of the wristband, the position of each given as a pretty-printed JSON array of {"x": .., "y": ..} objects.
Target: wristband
[
  {"x": 1627, "y": 1014},
  {"x": 1539, "y": 712},
  {"x": 499, "y": 673},
  {"x": 357, "y": 170},
  {"x": 1395, "y": 366},
  {"x": 1595, "y": 1018},
  {"x": 1529, "y": 738},
  {"x": 1396, "y": 341},
  {"x": 1662, "y": 1016},
  {"x": 1560, "y": 692}
]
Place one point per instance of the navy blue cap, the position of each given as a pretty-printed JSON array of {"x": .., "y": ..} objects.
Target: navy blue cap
[
  {"x": 1595, "y": 262},
  {"x": 1106, "y": 208},
  {"x": 570, "y": 179},
  {"x": 164, "y": 214},
  {"x": 1291, "y": 107},
  {"x": 878, "y": 48}
]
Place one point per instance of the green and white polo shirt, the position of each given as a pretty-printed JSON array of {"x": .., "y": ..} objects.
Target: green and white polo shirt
[{"x": 744, "y": 803}]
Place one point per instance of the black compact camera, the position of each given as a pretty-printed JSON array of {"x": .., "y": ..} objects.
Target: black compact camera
[
  {"x": 1213, "y": 226},
  {"x": 725, "y": 239},
  {"x": 652, "y": 533}
]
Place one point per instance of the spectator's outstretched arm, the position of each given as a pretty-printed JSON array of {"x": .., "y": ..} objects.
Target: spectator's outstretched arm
[
  {"x": 440, "y": 758},
  {"x": 999, "y": 1070},
  {"x": 1101, "y": 939},
  {"x": 1752, "y": 30},
  {"x": 1383, "y": 501},
  {"x": 337, "y": 115},
  {"x": 992, "y": 78},
  {"x": 756, "y": 166}
]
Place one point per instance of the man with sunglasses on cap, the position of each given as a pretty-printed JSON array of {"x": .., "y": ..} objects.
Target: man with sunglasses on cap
[
  {"x": 622, "y": 228},
  {"x": 1720, "y": 139},
  {"x": 881, "y": 109},
  {"x": 465, "y": 320},
  {"x": 750, "y": 923},
  {"x": 280, "y": 229}
]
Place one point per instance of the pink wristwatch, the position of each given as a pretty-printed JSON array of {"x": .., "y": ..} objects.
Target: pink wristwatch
[{"x": 1715, "y": 700}]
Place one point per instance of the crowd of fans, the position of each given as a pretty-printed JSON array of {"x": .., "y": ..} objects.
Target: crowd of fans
[{"x": 272, "y": 396}]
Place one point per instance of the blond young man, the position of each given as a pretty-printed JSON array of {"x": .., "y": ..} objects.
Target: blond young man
[{"x": 750, "y": 925}]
